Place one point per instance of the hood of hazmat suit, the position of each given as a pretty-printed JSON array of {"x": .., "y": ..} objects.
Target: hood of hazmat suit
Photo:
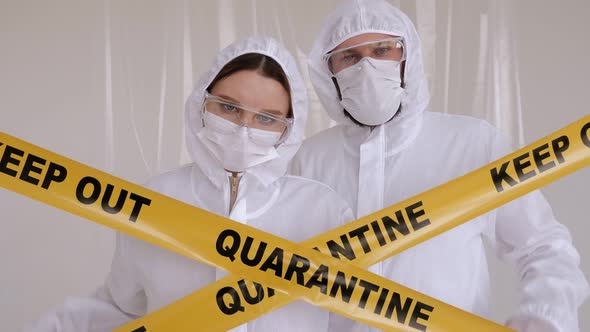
[
  {"x": 144, "y": 277},
  {"x": 417, "y": 150}
]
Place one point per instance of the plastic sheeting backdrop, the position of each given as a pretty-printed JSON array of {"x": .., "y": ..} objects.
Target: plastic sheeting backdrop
[{"x": 104, "y": 82}]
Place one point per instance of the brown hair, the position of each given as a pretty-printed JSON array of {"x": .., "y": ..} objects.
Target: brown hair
[{"x": 260, "y": 63}]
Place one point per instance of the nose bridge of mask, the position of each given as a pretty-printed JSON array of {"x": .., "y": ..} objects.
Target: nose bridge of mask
[
  {"x": 369, "y": 68},
  {"x": 242, "y": 119},
  {"x": 388, "y": 69},
  {"x": 367, "y": 62},
  {"x": 241, "y": 134},
  {"x": 258, "y": 136},
  {"x": 245, "y": 117},
  {"x": 369, "y": 72},
  {"x": 219, "y": 123}
]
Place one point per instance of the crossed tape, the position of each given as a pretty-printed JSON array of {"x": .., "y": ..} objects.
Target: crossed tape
[{"x": 294, "y": 270}]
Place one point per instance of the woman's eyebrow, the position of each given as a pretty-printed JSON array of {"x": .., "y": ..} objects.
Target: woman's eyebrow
[
  {"x": 233, "y": 100},
  {"x": 276, "y": 112}
]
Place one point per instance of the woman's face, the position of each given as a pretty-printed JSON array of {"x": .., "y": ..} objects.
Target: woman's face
[{"x": 258, "y": 92}]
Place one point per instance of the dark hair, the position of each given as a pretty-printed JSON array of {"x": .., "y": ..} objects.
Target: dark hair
[{"x": 260, "y": 63}]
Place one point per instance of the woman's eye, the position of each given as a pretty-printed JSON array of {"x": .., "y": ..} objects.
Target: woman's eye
[
  {"x": 229, "y": 108},
  {"x": 264, "y": 119}
]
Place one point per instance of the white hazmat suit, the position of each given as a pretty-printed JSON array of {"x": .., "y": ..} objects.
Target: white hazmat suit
[
  {"x": 144, "y": 277},
  {"x": 418, "y": 150}
]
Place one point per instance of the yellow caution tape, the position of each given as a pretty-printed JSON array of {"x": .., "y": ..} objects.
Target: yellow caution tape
[
  {"x": 301, "y": 272},
  {"x": 227, "y": 303},
  {"x": 76, "y": 188}
]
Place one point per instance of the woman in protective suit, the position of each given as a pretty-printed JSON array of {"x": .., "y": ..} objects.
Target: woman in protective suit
[{"x": 244, "y": 122}]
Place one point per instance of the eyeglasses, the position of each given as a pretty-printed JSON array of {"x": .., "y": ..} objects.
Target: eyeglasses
[
  {"x": 248, "y": 117},
  {"x": 391, "y": 48}
]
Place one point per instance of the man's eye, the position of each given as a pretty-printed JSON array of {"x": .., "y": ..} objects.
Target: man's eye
[
  {"x": 348, "y": 58},
  {"x": 382, "y": 50}
]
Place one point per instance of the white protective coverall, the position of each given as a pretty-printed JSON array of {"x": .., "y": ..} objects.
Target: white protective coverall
[
  {"x": 144, "y": 277},
  {"x": 419, "y": 150}
]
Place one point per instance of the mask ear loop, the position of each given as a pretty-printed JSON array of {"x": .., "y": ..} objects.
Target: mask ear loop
[
  {"x": 203, "y": 110},
  {"x": 403, "y": 63},
  {"x": 335, "y": 81},
  {"x": 285, "y": 135},
  {"x": 281, "y": 140},
  {"x": 403, "y": 73}
]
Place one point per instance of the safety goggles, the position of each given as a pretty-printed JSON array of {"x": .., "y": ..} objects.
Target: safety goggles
[
  {"x": 391, "y": 48},
  {"x": 244, "y": 116}
]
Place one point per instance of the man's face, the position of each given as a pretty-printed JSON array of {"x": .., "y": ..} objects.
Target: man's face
[{"x": 375, "y": 45}]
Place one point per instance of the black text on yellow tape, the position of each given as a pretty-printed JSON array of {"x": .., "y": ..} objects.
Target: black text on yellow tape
[
  {"x": 37, "y": 171},
  {"x": 525, "y": 169},
  {"x": 32, "y": 167},
  {"x": 401, "y": 226},
  {"x": 229, "y": 299},
  {"x": 344, "y": 287},
  {"x": 309, "y": 268}
]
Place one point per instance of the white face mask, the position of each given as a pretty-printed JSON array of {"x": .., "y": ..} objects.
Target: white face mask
[
  {"x": 232, "y": 145},
  {"x": 371, "y": 90}
]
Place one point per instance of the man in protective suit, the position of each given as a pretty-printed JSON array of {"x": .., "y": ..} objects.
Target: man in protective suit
[{"x": 366, "y": 67}]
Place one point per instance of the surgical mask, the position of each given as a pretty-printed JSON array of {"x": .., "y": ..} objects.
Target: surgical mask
[
  {"x": 232, "y": 144},
  {"x": 371, "y": 90}
]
